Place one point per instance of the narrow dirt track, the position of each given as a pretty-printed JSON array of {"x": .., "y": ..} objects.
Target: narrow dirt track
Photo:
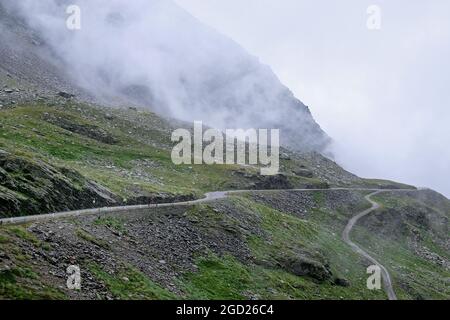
[{"x": 346, "y": 236}]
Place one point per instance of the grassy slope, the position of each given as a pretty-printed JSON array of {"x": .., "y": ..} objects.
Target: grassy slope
[
  {"x": 144, "y": 137},
  {"x": 414, "y": 276},
  {"x": 285, "y": 235},
  {"x": 275, "y": 235},
  {"x": 23, "y": 280},
  {"x": 137, "y": 163},
  {"x": 269, "y": 234},
  {"x": 25, "y": 133}
]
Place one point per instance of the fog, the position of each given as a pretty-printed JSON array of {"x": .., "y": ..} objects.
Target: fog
[
  {"x": 157, "y": 55},
  {"x": 382, "y": 95}
]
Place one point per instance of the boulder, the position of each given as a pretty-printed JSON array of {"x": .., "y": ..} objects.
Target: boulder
[
  {"x": 304, "y": 173},
  {"x": 66, "y": 95},
  {"x": 303, "y": 266},
  {"x": 341, "y": 282},
  {"x": 279, "y": 181}
]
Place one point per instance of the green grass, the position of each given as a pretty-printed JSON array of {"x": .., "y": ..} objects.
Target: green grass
[
  {"x": 18, "y": 283},
  {"x": 4, "y": 239},
  {"x": 414, "y": 277},
  {"x": 111, "y": 222},
  {"x": 24, "y": 234},
  {"x": 90, "y": 238},
  {"x": 130, "y": 284},
  {"x": 284, "y": 236},
  {"x": 380, "y": 183},
  {"x": 140, "y": 136},
  {"x": 319, "y": 198},
  {"x": 63, "y": 148},
  {"x": 218, "y": 279},
  {"x": 225, "y": 277},
  {"x": 289, "y": 235}
]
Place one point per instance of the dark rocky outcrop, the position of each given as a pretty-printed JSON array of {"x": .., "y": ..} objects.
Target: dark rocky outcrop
[
  {"x": 34, "y": 187},
  {"x": 66, "y": 95},
  {"x": 160, "y": 198},
  {"x": 260, "y": 182},
  {"x": 30, "y": 187},
  {"x": 341, "y": 282},
  {"x": 304, "y": 173},
  {"x": 86, "y": 130},
  {"x": 279, "y": 181},
  {"x": 303, "y": 266}
]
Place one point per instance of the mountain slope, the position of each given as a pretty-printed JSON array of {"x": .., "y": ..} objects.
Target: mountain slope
[
  {"x": 63, "y": 152},
  {"x": 58, "y": 151},
  {"x": 159, "y": 57},
  {"x": 282, "y": 245},
  {"x": 29, "y": 69}
]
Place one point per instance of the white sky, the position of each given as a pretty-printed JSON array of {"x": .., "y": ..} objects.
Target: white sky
[{"x": 383, "y": 96}]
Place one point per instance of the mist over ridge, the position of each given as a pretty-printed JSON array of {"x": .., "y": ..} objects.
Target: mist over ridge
[
  {"x": 155, "y": 54},
  {"x": 382, "y": 95}
]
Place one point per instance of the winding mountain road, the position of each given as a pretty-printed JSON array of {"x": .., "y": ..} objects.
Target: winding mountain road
[
  {"x": 213, "y": 196},
  {"x": 346, "y": 237}
]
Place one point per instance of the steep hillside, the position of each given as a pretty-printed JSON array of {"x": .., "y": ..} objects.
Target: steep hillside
[
  {"x": 411, "y": 233},
  {"x": 63, "y": 155},
  {"x": 261, "y": 246},
  {"x": 29, "y": 69},
  {"x": 57, "y": 152},
  {"x": 179, "y": 67}
]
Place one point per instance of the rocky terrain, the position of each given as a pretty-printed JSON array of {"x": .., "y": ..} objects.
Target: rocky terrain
[
  {"x": 257, "y": 246},
  {"x": 29, "y": 69},
  {"x": 57, "y": 153},
  {"x": 63, "y": 148},
  {"x": 33, "y": 65}
]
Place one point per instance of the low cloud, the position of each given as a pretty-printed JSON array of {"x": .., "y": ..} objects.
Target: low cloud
[
  {"x": 381, "y": 95},
  {"x": 153, "y": 53}
]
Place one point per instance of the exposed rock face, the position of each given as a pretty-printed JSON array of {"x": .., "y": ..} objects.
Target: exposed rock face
[
  {"x": 30, "y": 187},
  {"x": 89, "y": 131},
  {"x": 302, "y": 266},
  {"x": 304, "y": 173},
  {"x": 342, "y": 282},
  {"x": 159, "y": 198},
  {"x": 33, "y": 187},
  {"x": 279, "y": 181}
]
